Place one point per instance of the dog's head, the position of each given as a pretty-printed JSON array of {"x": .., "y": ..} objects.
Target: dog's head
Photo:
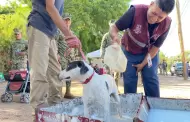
[{"x": 76, "y": 70}]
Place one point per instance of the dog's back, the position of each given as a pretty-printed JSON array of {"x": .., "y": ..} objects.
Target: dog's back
[{"x": 110, "y": 82}]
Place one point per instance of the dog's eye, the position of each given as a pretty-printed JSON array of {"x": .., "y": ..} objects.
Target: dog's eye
[
  {"x": 70, "y": 67},
  {"x": 67, "y": 68},
  {"x": 80, "y": 64}
]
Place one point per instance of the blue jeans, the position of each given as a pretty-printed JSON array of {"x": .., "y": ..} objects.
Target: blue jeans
[{"x": 149, "y": 75}]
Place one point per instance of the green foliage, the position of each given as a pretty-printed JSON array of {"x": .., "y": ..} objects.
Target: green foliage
[
  {"x": 90, "y": 19},
  {"x": 10, "y": 21},
  {"x": 26, "y": 2},
  {"x": 162, "y": 57},
  {"x": 89, "y": 22},
  {"x": 13, "y": 16},
  {"x": 6, "y": 10}
]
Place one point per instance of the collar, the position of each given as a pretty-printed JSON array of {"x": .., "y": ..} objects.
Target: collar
[{"x": 88, "y": 79}]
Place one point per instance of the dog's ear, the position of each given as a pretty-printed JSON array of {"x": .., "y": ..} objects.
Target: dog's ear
[{"x": 83, "y": 68}]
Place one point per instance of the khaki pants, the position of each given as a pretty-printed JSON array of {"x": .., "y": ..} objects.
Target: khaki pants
[{"x": 46, "y": 88}]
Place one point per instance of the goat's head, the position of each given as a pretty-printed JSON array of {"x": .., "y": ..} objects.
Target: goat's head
[{"x": 76, "y": 70}]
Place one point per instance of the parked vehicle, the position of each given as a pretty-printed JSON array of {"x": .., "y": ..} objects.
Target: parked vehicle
[{"x": 179, "y": 68}]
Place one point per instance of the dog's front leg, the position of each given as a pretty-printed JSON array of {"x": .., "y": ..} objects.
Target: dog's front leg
[
  {"x": 86, "y": 111},
  {"x": 107, "y": 113},
  {"x": 118, "y": 102},
  {"x": 119, "y": 108}
]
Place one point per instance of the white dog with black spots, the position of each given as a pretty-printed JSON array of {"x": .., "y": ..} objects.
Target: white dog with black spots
[{"x": 97, "y": 89}]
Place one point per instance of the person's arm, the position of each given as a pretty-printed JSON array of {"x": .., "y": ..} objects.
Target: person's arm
[
  {"x": 54, "y": 14},
  {"x": 114, "y": 33},
  {"x": 24, "y": 51},
  {"x": 123, "y": 23},
  {"x": 153, "y": 51},
  {"x": 11, "y": 55},
  {"x": 103, "y": 45}
]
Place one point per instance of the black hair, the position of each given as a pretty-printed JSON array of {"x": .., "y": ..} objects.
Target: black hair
[{"x": 166, "y": 5}]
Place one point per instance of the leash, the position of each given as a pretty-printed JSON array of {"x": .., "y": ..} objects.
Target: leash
[{"x": 88, "y": 79}]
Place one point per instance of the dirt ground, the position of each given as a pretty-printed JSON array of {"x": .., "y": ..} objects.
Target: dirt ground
[{"x": 172, "y": 87}]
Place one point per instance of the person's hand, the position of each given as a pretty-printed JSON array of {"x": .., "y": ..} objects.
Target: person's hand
[
  {"x": 17, "y": 53},
  {"x": 20, "y": 53},
  {"x": 139, "y": 67},
  {"x": 73, "y": 42},
  {"x": 116, "y": 40},
  {"x": 59, "y": 58},
  {"x": 9, "y": 62},
  {"x": 69, "y": 37}
]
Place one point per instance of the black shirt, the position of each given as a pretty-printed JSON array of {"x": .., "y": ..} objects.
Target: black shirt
[{"x": 126, "y": 21}]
